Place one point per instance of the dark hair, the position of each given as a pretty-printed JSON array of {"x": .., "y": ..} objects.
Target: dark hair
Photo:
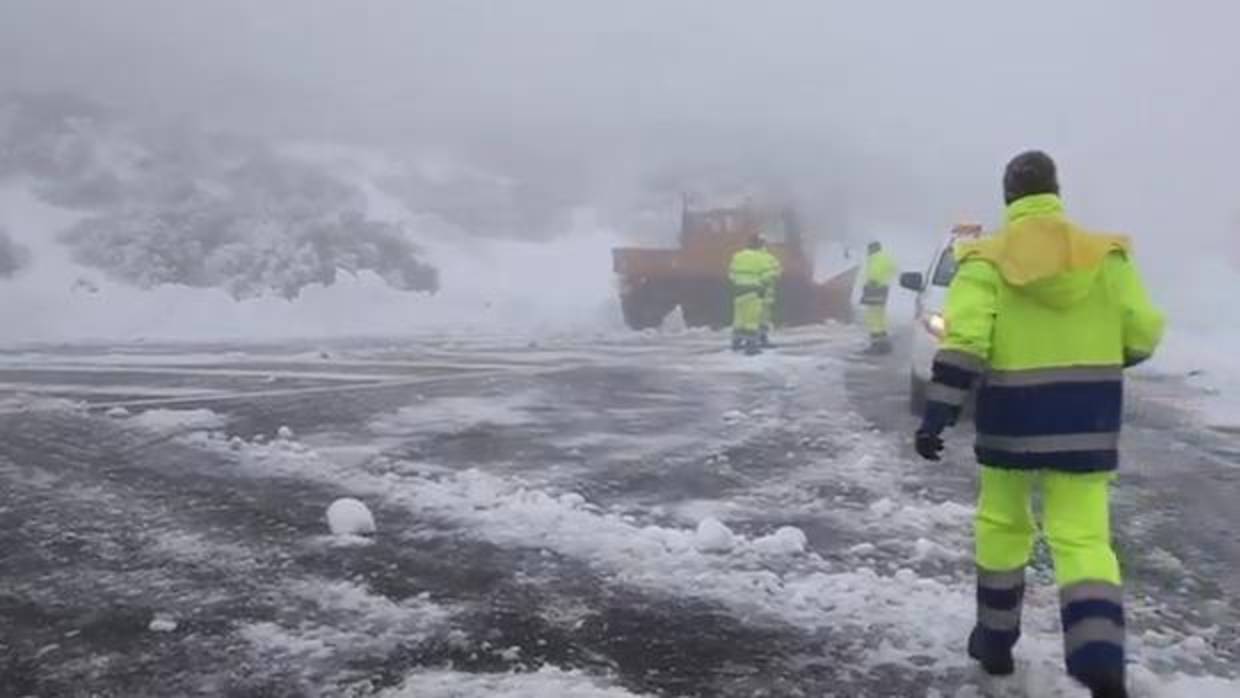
[
  {"x": 874, "y": 246},
  {"x": 756, "y": 242},
  {"x": 1032, "y": 172}
]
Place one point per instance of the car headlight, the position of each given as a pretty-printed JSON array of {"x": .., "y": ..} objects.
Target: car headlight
[{"x": 936, "y": 325}]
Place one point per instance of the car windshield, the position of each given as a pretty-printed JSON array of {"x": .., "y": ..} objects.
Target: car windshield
[{"x": 946, "y": 268}]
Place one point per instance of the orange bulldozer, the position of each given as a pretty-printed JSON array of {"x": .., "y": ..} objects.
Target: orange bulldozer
[{"x": 653, "y": 282}]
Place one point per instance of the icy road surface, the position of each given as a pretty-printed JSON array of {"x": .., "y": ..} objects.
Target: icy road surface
[{"x": 611, "y": 517}]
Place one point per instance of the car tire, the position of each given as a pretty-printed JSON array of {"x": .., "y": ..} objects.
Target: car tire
[{"x": 916, "y": 395}]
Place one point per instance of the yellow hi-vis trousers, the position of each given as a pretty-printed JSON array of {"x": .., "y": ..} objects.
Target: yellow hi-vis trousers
[
  {"x": 768, "y": 307},
  {"x": 876, "y": 320},
  {"x": 747, "y": 313},
  {"x": 1076, "y": 520}
]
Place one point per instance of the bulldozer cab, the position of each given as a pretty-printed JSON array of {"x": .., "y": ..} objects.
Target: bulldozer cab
[{"x": 733, "y": 227}]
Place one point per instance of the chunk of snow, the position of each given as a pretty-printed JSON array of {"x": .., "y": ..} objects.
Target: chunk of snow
[
  {"x": 117, "y": 412},
  {"x": 713, "y": 537},
  {"x": 179, "y": 420},
  {"x": 350, "y": 517},
  {"x": 456, "y": 414},
  {"x": 284, "y": 433},
  {"x": 863, "y": 549},
  {"x": 1195, "y": 644},
  {"x": 542, "y": 683},
  {"x": 733, "y": 416},
  {"x": 572, "y": 499},
  {"x": 883, "y": 507},
  {"x": 162, "y": 624},
  {"x": 926, "y": 550},
  {"x": 788, "y": 540}
]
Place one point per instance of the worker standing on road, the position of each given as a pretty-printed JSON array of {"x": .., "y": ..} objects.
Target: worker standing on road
[
  {"x": 1044, "y": 317},
  {"x": 880, "y": 269},
  {"x": 774, "y": 270},
  {"x": 749, "y": 272}
]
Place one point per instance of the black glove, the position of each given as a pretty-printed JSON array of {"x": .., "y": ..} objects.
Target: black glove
[{"x": 929, "y": 444}]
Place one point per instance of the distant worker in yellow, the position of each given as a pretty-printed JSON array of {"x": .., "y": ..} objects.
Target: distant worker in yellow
[
  {"x": 880, "y": 270},
  {"x": 749, "y": 274},
  {"x": 774, "y": 270}
]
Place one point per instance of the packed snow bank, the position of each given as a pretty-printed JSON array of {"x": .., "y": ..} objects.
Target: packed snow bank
[
  {"x": 454, "y": 414},
  {"x": 544, "y": 683},
  {"x": 179, "y": 420},
  {"x": 34, "y": 403},
  {"x": 324, "y": 625},
  {"x": 1186, "y": 687}
]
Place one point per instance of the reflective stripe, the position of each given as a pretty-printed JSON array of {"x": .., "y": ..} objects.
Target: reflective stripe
[
  {"x": 1091, "y": 591},
  {"x": 946, "y": 394},
  {"x": 960, "y": 359},
  {"x": 1010, "y": 579},
  {"x": 874, "y": 294},
  {"x": 1092, "y": 630},
  {"x": 994, "y": 619},
  {"x": 1051, "y": 443},
  {"x": 1062, "y": 374}
]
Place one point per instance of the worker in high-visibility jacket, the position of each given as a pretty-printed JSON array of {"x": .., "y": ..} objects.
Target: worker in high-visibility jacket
[
  {"x": 749, "y": 273},
  {"x": 774, "y": 270},
  {"x": 1042, "y": 318},
  {"x": 880, "y": 269}
]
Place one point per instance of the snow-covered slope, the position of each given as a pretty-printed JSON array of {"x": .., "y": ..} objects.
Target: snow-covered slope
[
  {"x": 111, "y": 232},
  {"x": 498, "y": 285}
]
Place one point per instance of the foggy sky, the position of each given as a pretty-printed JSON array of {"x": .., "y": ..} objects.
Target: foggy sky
[{"x": 905, "y": 111}]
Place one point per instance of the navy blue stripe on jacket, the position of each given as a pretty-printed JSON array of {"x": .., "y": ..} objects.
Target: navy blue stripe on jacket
[{"x": 1068, "y": 424}]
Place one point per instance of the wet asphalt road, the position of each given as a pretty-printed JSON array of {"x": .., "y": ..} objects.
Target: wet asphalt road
[{"x": 108, "y": 522}]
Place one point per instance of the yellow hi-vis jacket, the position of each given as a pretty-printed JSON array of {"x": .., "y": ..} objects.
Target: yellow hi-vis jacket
[
  {"x": 749, "y": 271},
  {"x": 880, "y": 269},
  {"x": 1046, "y": 315}
]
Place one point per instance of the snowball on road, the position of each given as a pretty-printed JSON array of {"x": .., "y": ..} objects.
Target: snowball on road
[
  {"x": 349, "y": 517},
  {"x": 788, "y": 540},
  {"x": 713, "y": 537}
]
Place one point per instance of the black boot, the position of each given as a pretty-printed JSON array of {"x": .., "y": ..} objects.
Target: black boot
[
  {"x": 994, "y": 661},
  {"x": 1105, "y": 684},
  {"x": 752, "y": 347}
]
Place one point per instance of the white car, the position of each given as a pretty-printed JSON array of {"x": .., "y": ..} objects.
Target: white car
[{"x": 928, "y": 324}]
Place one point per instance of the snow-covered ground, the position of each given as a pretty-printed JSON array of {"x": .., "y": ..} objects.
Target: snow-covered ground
[
  {"x": 1203, "y": 339},
  {"x": 628, "y": 516}
]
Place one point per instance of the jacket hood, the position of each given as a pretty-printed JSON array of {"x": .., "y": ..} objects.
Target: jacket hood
[{"x": 1043, "y": 254}]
